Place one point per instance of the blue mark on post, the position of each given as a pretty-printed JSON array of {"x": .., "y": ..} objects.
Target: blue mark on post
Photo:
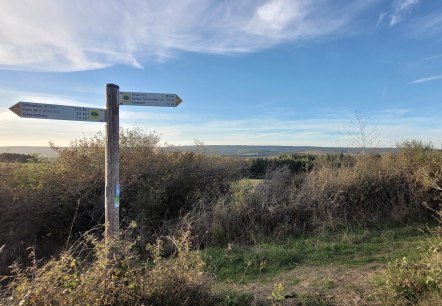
[{"x": 117, "y": 196}]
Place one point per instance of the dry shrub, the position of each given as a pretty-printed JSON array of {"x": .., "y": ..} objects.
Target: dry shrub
[
  {"x": 420, "y": 282},
  {"x": 254, "y": 209},
  {"x": 376, "y": 189},
  {"x": 44, "y": 203},
  {"x": 92, "y": 273}
]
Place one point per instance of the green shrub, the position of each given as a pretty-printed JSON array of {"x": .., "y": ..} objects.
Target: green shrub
[
  {"x": 411, "y": 282},
  {"x": 17, "y": 158},
  {"x": 295, "y": 162}
]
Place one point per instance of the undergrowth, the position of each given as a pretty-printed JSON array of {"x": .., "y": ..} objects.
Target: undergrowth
[
  {"x": 417, "y": 282},
  {"x": 92, "y": 273}
]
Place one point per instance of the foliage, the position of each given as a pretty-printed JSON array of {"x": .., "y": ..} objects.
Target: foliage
[
  {"x": 340, "y": 191},
  {"x": 236, "y": 299},
  {"x": 420, "y": 281},
  {"x": 277, "y": 296},
  {"x": 17, "y": 158},
  {"x": 295, "y": 162},
  {"x": 92, "y": 273},
  {"x": 256, "y": 209},
  {"x": 46, "y": 204},
  {"x": 376, "y": 189},
  {"x": 411, "y": 281}
]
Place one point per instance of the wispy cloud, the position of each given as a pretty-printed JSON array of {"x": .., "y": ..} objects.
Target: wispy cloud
[
  {"x": 427, "y": 79},
  {"x": 434, "y": 57},
  {"x": 326, "y": 129},
  {"x": 401, "y": 8},
  {"x": 427, "y": 26},
  {"x": 381, "y": 18},
  {"x": 81, "y": 35}
]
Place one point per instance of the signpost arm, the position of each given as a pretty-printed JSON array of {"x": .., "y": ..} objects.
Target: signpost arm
[{"x": 112, "y": 162}]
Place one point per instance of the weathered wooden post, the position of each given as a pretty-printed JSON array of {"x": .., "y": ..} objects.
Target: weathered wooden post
[{"x": 112, "y": 162}]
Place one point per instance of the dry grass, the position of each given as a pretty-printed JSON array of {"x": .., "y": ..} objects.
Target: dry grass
[{"x": 92, "y": 273}]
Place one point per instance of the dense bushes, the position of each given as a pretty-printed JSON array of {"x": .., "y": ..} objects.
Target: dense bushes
[
  {"x": 372, "y": 191},
  {"x": 255, "y": 210},
  {"x": 340, "y": 191},
  {"x": 297, "y": 163},
  {"x": 17, "y": 158},
  {"x": 419, "y": 282},
  {"x": 43, "y": 203},
  {"x": 91, "y": 273}
]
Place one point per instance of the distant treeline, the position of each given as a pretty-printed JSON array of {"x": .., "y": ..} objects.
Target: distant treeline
[
  {"x": 295, "y": 162},
  {"x": 17, "y": 158}
]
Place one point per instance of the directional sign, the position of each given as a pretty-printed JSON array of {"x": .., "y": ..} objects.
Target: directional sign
[
  {"x": 59, "y": 112},
  {"x": 149, "y": 99}
]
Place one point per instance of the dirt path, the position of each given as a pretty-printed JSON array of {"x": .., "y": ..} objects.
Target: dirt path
[{"x": 319, "y": 285}]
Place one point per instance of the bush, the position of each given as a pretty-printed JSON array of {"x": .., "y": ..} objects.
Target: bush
[
  {"x": 420, "y": 282},
  {"x": 253, "y": 210},
  {"x": 92, "y": 273},
  {"x": 410, "y": 282},
  {"x": 340, "y": 191},
  {"x": 17, "y": 158},
  {"x": 44, "y": 203},
  {"x": 295, "y": 162},
  {"x": 374, "y": 190}
]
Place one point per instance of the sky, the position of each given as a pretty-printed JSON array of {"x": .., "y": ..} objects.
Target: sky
[{"x": 250, "y": 72}]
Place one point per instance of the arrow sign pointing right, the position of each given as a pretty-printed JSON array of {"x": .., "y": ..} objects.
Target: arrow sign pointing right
[
  {"x": 149, "y": 99},
  {"x": 60, "y": 112}
]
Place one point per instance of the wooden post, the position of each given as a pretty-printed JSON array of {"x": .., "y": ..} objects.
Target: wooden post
[{"x": 112, "y": 162}]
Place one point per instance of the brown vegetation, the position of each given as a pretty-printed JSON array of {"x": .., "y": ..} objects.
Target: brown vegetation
[{"x": 46, "y": 205}]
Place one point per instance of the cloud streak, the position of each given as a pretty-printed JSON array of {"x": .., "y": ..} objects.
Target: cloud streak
[
  {"x": 81, "y": 35},
  {"x": 401, "y": 8},
  {"x": 427, "y": 79},
  {"x": 395, "y": 124}
]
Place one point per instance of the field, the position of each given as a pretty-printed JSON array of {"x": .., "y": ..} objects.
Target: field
[{"x": 202, "y": 228}]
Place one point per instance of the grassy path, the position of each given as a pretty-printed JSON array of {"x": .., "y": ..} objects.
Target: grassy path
[{"x": 343, "y": 268}]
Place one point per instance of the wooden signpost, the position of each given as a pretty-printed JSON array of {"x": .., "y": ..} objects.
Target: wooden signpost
[{"x": 110, "y": 115}]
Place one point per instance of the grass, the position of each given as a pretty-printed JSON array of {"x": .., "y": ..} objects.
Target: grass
[{"x": 351, "y": 247}]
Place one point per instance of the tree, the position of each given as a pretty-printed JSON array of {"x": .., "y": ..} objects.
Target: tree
[{"x": 361, "y": 135}]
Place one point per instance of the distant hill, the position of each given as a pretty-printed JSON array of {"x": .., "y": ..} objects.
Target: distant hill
[{"x": 230, "y": 150}]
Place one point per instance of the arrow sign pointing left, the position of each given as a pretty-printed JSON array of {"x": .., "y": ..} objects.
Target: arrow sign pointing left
[{"x": 58, "y": 112}]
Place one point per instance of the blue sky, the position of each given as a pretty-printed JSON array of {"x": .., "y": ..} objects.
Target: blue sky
[{"x": 252, "y": 72}]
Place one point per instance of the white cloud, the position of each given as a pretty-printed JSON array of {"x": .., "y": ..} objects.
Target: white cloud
[
  {"x": 328, "y": 128},
  {"x": 400, "y": 9},
  {"x": 52, "y": 35},
  {"x": 16, "y": 131},
  {"x": 427, "y": 79},
  {"x": 381, "y": 18}
]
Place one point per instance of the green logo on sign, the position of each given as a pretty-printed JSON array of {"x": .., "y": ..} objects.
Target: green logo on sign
[{"x": 93, "y": 114}]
